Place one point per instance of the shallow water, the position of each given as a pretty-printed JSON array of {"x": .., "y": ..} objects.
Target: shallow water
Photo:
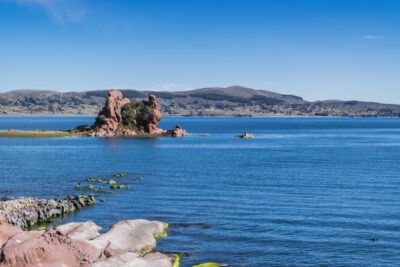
[{"x": 305, "y": 191}]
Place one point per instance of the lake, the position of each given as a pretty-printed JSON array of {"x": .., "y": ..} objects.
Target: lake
[{"x": 305, "y": 191}]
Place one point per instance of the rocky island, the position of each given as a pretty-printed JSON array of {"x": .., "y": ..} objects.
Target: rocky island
[{"x": 123, "y": 117}]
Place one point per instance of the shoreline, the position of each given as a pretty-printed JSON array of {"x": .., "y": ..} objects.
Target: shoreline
[
  {"x": 198, "y": 116},
  {"x": 127, "y": 243}
]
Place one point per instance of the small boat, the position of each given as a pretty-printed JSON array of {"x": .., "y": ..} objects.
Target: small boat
[
  {"x": 245, "y": 136},
  {"x": 204, "y": 135}
]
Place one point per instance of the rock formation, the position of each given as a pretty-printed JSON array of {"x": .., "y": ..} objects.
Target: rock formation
[
  {"x": 156, "y": 115},
  {"x": 110, "y": 118},
  {"x": 25, "y": 212},
  {"x": 122, "y": 117},
  {"x": 127, "y": 243},
  {"x": 177, "y": 132}
]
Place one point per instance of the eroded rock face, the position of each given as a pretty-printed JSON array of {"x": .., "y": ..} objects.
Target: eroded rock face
[
  {"x": 80, "y": 244},
  {"x": 156, "y": 116},
  {"x": 110, "y": 117}
]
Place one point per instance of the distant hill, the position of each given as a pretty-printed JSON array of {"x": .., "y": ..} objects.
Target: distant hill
[{"x": 212, "y": 101}]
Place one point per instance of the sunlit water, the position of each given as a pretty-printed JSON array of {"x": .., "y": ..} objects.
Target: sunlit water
[{"x": 304, "y": 192}]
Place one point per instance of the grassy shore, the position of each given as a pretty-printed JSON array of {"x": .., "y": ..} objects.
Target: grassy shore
[{"x": 39, "y": 134}]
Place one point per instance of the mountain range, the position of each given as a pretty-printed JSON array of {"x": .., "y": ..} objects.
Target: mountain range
[{"x": 211, "y": 101}]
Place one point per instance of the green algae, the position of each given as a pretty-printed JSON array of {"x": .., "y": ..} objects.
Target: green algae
[
  {"x": 145, "y": 251},
  {"x": 208, "y": 264},
  {"x": 92, "y": 188},
  {"x": 164, "y": 232},
  {"x": 176, "y": 261}
]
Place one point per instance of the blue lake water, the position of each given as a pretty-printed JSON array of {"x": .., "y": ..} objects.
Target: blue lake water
[{"x": 305, "y": 191}]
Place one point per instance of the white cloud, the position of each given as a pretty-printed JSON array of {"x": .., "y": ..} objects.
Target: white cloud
[
  {"x": 59, "y": 10},
  {"x": 372, "y": 37}
]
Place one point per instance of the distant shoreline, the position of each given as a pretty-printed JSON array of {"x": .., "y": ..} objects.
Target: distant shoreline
[{"x": 211, "y": 116}]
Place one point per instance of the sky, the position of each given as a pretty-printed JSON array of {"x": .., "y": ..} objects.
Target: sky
[{"x": 317, "y": 49}]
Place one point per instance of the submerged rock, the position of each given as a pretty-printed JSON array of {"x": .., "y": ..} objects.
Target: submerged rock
[
  {"x": 80, "y": 244},
  {"x": 245, "y": 136}
]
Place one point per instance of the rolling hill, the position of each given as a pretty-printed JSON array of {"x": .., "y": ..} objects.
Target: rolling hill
[{"x": 211, "y": 101}]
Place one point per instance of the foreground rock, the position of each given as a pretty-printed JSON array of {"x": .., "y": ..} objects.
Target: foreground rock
[
  {"x": 26, "y": 212},
  {"x": 127, "y": 243},
  {"x": 122, "y": 117}
]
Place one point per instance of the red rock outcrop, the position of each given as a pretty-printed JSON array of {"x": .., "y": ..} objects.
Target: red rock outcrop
[
  {"x": 156, "y": 116},
  {"x": 110, "y": 116}
]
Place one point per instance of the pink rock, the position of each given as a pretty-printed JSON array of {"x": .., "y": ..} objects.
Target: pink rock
[
  {"x": 79, "y": 244},
  {"x": 47, "y": 250},
  {"x": 177, "y": 132},
  {"x": 80, "y": 231},
  {"x": 156, "y": 116},
  {"x": 7, "y": 231},
  {"x": 134, "y": 235},
  {"x": 111, "y": 113},
  {"x": 21, "y": 237}
]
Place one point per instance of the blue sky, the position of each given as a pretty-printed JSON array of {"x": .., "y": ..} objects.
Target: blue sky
[{"x": 318, "y": 49}]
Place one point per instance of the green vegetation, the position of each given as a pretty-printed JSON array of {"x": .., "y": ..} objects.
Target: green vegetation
[
  {"x": 135, "y": 114},
  {"x": 100, "y": 120},
  {"x": 39, "y": 134}
]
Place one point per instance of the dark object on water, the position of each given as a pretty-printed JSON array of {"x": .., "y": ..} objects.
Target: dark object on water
[{"x": 245, "y": 136}]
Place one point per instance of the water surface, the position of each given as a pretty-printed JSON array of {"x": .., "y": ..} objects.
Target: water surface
[{"x": 305, "y": 191}]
